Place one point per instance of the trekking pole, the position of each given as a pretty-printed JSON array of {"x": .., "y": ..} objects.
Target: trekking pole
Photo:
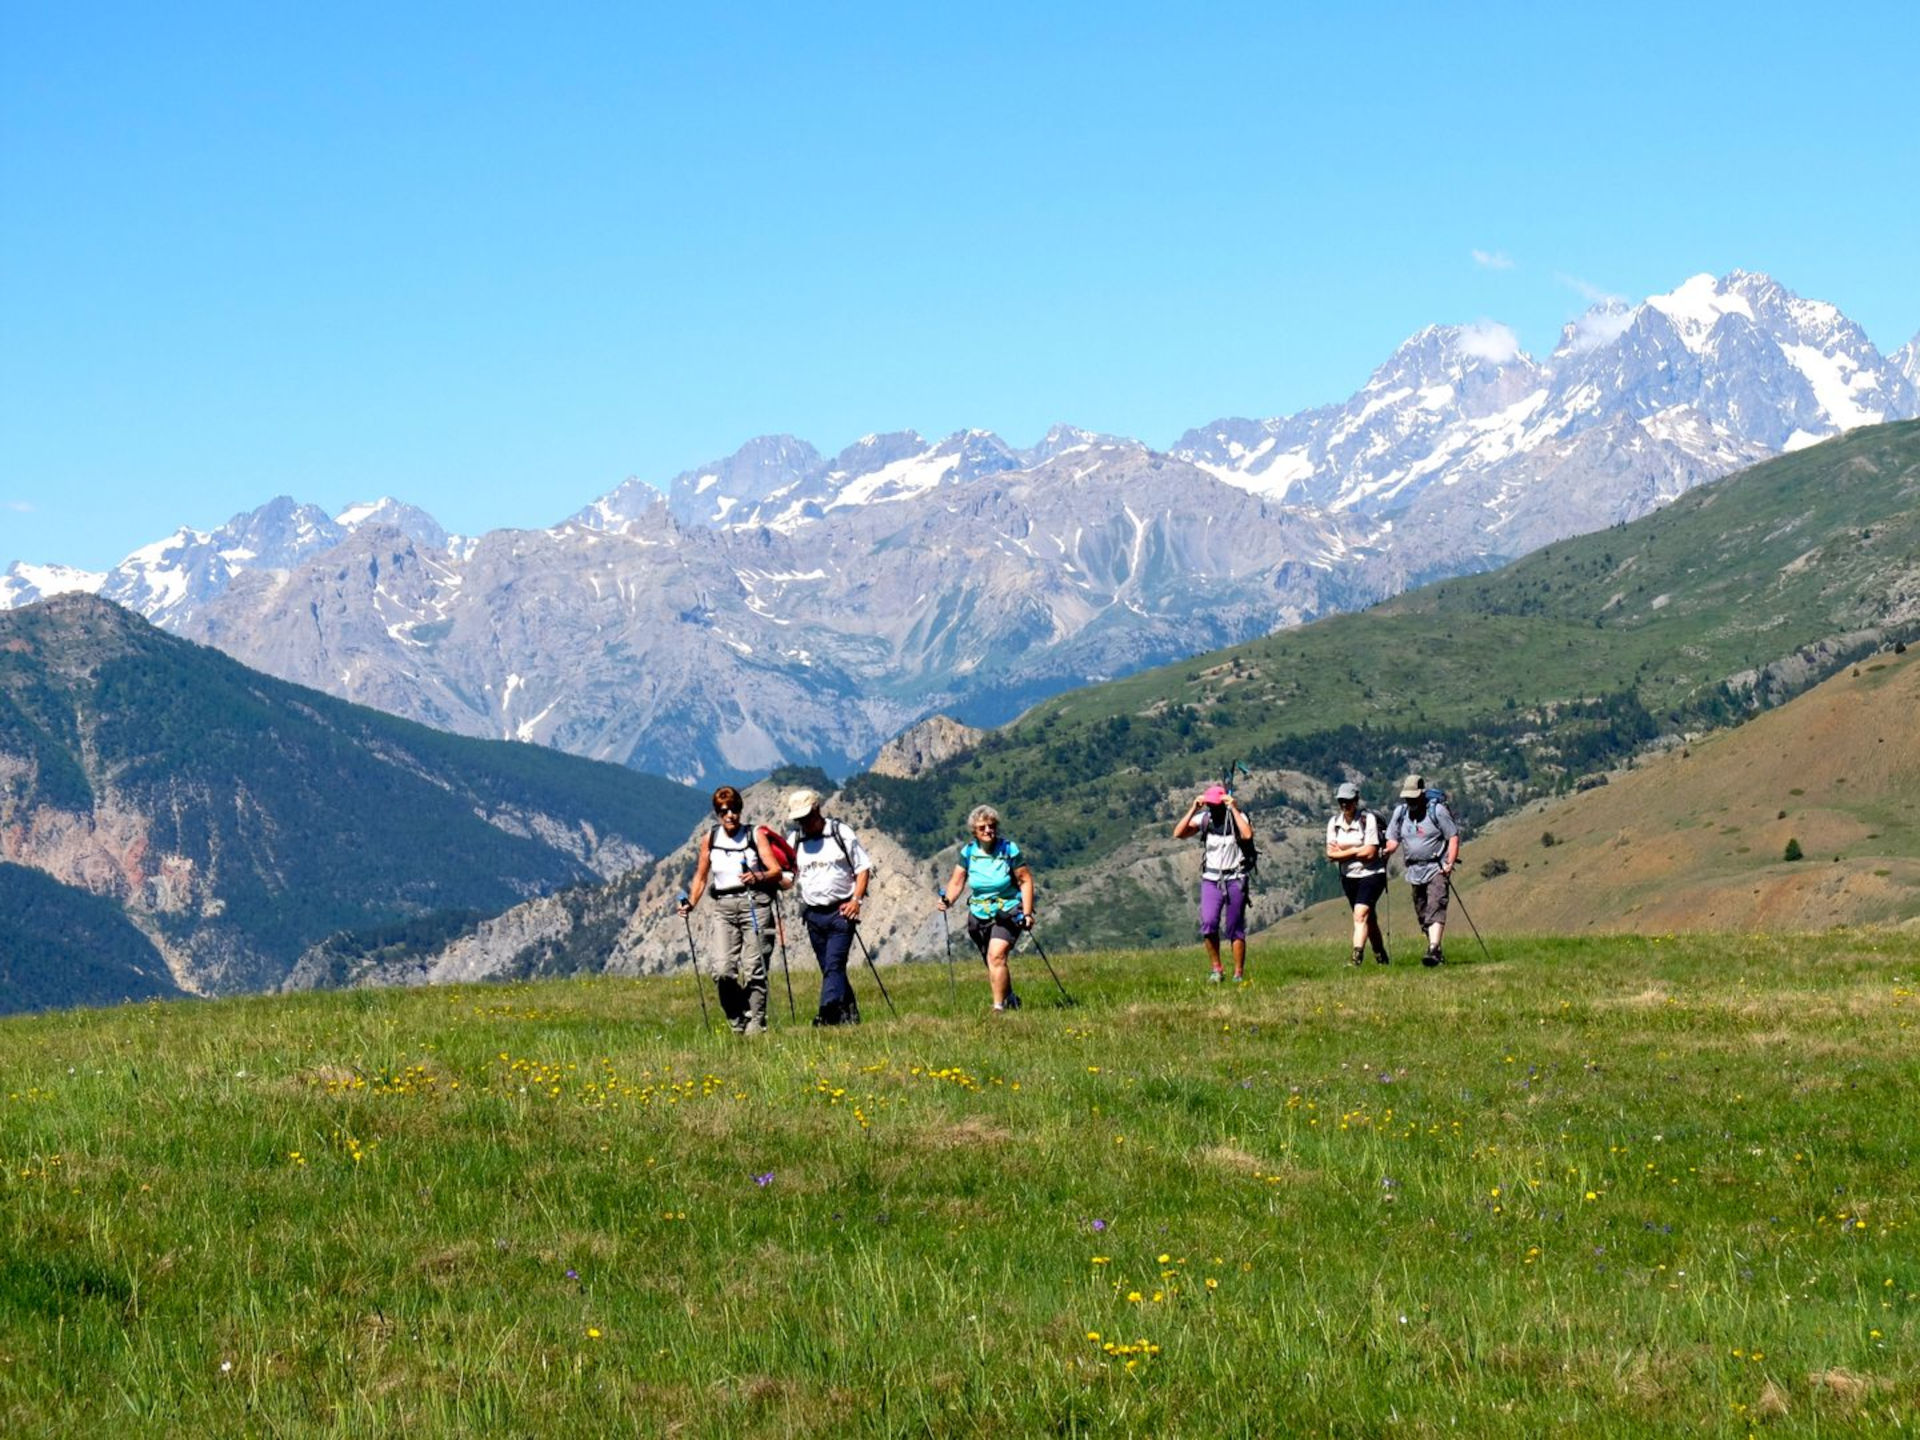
[
  {"x": 1382, "y": 916},
  {"x": 946, "y": 931},
  {"x": 699, "y": 985},
  {"x": 1470, "y": 925},
  {"x": 780, "y": 933},
  {"x": 1065, "y": 999},
  {"x": 876, "y": 973}
]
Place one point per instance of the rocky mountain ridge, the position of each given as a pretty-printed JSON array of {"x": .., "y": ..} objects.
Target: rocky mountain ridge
[{"x": 781, "y": 605}]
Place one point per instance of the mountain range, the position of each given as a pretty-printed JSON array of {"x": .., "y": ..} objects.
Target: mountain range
[
  {"x": 784, "y": 606},
  {"x": 1552, "y": 677}
]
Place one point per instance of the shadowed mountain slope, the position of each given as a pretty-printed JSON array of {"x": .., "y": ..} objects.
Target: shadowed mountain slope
[
  {"x": 60, "y": 946},
  {"x": 237, "y": 819}
]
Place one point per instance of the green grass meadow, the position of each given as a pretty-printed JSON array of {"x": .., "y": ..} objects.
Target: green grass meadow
[{"x": 1599, "y": 1187}]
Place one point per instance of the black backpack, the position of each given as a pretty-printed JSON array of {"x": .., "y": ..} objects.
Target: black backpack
[{"x": 1249, "y": 847}]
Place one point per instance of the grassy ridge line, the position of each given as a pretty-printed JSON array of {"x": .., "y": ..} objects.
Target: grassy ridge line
[
  {"x": 1624, "y": 1187},
  {"x": 1803, "y": 552}
]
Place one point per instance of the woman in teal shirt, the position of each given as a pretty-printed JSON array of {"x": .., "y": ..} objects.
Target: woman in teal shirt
[{"x": 1001, "y": 903}]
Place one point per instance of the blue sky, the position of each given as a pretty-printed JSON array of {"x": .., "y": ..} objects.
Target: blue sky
[{"x": 494, "y": 260}]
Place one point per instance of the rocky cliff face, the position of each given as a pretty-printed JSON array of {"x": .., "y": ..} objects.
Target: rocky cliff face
[{"x": 937, "y": 738}]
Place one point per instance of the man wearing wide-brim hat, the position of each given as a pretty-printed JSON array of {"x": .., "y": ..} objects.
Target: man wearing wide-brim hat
[
  {"x": 833, "y": 870},
  {"x": 1428, "y": 842}
]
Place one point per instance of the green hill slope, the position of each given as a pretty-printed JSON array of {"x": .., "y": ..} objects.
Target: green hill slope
[
  {"x": 1696, "y": 839},
  {"x": 238, "y": 818},
  {"x": 1508, "y": 685}
]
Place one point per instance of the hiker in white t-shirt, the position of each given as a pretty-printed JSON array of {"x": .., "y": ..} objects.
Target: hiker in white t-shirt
[
  {"x": 833, "y": 873},
  {"x": 737, "y": 864},
  {"x": 1226, "y": 831},
  {"x": 1357, "y": 844}
]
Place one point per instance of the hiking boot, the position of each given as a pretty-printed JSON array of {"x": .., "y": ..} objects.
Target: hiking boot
[
  {"x": 1380, "y": 958},
  {"x": 1013, "y": 1001},
  {"x": 1216, "y": 977},
  {"x": 1359, "y": 954},
  {"x": 1430, "y": 959}
]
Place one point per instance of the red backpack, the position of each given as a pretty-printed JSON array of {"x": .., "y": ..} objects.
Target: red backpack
[{"x": 781, "y": 851}]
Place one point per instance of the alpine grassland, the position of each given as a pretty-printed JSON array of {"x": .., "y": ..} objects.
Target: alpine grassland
[{"x": 1631, "y": 1186}]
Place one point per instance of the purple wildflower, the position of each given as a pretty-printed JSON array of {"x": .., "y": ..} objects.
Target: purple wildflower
[
  {"x": 1098, "y": 1226},
  {"x": 763, "y": 1180}
]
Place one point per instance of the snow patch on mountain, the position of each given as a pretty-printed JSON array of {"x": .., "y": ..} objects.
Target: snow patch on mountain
[
  {"x": 1697, "y": 306},
  {"x": 23, "y": 584}
]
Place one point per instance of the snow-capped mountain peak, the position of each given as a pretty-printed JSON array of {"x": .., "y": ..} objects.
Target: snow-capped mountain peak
[
  {"x": 1641, "y": 400},
  {"x": 1906, "y": 360},
  {"x": 410, "y": 520},
  {"x": 23, "y": 584}
]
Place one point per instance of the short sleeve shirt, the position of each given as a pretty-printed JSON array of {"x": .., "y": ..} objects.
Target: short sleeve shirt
[
  {"x": 1364, "y": 830},
  {"x": 1423, "y": 842},
  {"x": 994, "y": 891},
  {"x": 827, "y": 864}
]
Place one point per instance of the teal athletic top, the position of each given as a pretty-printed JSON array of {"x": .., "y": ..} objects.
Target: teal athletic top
[{"x": 990, "y": 878}]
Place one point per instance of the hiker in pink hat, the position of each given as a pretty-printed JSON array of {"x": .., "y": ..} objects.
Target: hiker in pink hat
[{"x": 1225, "y": 833}]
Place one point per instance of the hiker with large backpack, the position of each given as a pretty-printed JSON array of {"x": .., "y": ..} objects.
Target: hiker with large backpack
[
  {"x": 1226, "y": 837},
  {"x": 1000, "y": 899},
  {"x": 1356, "y": 842},
  {"x": 833, "y": 871},
  {"x": 1423, "y": 832},
  {"x": 741, "y": 866}
]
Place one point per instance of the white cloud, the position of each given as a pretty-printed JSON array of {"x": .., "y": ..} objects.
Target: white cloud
[
  {"x": 1493, "y": 259},
  {"x": 1489, "y": 340},
  {"x": 1599, "y": 326},
  {"x": 1592, "y": 294}
]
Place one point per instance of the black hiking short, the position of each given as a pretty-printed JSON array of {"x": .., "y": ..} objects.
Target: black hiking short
[
  {"x": 1364, "y": 889},
  {"x": 984, "y": 932}
]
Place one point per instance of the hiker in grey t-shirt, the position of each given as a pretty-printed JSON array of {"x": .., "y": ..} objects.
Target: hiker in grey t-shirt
[{"x": 1428, "y": 843}]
